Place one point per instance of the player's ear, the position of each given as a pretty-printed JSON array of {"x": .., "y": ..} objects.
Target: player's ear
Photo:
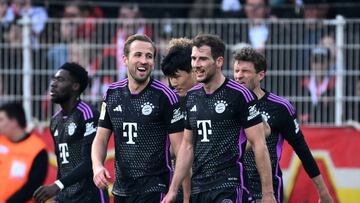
[
  {"x": 261, "y": 75},
  {"x": 76, "y": 86},
  {"x": 124, "y": 59},
  {"x": 219, "y": 61}
]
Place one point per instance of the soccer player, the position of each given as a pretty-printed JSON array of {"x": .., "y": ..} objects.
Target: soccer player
[
  {"x": 23, "y": 158},
  {"x": 73, "y": 129},
  {"x": 221, "y": 116},
  {"x": 176, "y": 65},
  {"x": 249, "y": 70},
  {"x": 144, "y": 115}
]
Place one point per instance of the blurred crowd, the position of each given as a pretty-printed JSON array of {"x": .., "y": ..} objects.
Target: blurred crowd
[{"x": 79, "y": 26}]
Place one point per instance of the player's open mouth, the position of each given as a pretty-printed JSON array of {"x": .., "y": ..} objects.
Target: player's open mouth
[
  {"x": 200, "y": 71},
  {"x": 52, "y": 92},
  {"x": 141, "y": 69}
]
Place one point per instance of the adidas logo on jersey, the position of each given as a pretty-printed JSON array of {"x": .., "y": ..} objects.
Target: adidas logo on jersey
[
  {"x": 193, "y": 108},
  {"x": 118, "y": 108}
]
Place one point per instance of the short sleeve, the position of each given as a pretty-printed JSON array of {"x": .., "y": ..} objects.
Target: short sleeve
[
  {"x": 248, "y": 112},
  {"x": 172, "y": 114},
  {"x": 104, "y": 118}
]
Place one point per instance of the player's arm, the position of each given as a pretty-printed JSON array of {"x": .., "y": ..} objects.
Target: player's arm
[
  {"x": 98, "y": 155},
  {"x": 175, "y": 122},
  {"x": 267, "y": 130},
  {"x": 256, "y": 137},
  {"x": 293, "y": 134},
  {"x": 176, "y": 140},
  {"x": 36, "y": 177},
  {"x": 184, "y": 161},
  {"x": 99, "y": 149},
  {"x": 82, "y": 170},
  {"x": 255, "y": 134}
]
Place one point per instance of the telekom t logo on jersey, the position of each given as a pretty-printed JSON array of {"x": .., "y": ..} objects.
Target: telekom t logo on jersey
[
  {"x": 204, "y": 129},
  {"x": 64, "y": 152},
  {"x": 130, "y": 131}
]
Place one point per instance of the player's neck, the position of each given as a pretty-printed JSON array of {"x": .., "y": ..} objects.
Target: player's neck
[
  {"x": 214, "y": 83},
  {"x": 135, "y": 87},
  {"x": 259, "y": 92},
  {"x": 68, "y": 106}
]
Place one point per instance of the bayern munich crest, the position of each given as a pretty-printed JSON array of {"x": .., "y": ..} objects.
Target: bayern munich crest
[
  {"x": 220, "y": 106},
  {"x": 71, "y": 128},
  {"x": 147, "y": 108}
]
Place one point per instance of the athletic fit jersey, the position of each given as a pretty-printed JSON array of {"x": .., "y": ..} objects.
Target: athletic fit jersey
[
  {"x": 73, "y": 135},
  {"x": 217, "y": 122},
  {"x": 141, "y": 124},
  {"x": 281, "y": 116}
]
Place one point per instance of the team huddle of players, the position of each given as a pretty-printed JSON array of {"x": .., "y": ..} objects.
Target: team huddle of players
[{"x": 226, "y": 135}]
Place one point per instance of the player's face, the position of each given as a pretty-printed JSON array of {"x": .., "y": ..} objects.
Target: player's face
[
  {"x": 140, "y": 61},
  {"x": 6, "y": 124},
  {"x": 182, "y": 82},
  {"x": 61, "y": 87},
  {"x": 203, "y": 64},
  {"x": 245, "y": 73}
]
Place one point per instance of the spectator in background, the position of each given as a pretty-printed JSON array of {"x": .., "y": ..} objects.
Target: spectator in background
[
  {"x": 204, "y": 9},
  {"x": 314, "y": 30},
  {"x": 286, "y": 8},
  {"x": 72, "y": 31},
  {"x": 258, "y": 31},
  {"x": 7, "y": 15},
  {"x": 11, "y": 62},
  {"x": 38, "y": 15},
  {"x": 230, "y": 8},
  {"x": 320, "y": 86},
  {"x": 23, "y": 158},
  {"x": 316, "y": 9}
]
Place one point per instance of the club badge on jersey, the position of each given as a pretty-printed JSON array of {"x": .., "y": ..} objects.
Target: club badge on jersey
[
  {"x": 220, "y": 106},
  {"x": 147, "y": 108},
  {"x": 71, "y": 128}
]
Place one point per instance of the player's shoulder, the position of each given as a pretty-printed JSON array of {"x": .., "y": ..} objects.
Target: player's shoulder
[
  {"x": 239, "y": 89},
  {"x": 116, "y": 86},
  {"x": 87, "y": 111},
  {"x": 196, "y": 89},
  {"x": 162, "y": 89},
  {"x": 281, "y": 102}
]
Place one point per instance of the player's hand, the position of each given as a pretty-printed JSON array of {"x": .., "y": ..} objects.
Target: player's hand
[
  {"x": 101, "y": 177},
  {"x": 170, "y": 197},
  {"x": 268, "y": 198},
  {"x": 46, "y": 192}
]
